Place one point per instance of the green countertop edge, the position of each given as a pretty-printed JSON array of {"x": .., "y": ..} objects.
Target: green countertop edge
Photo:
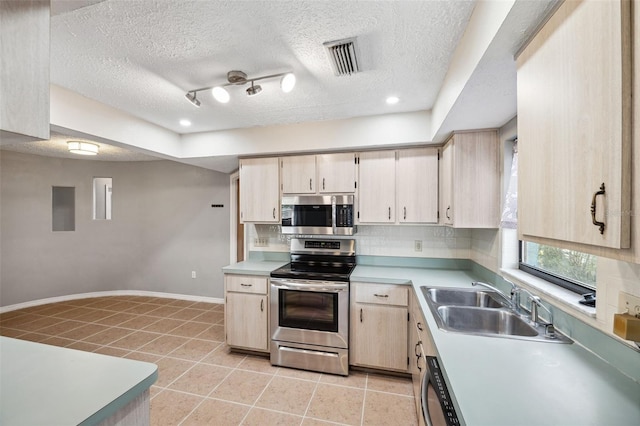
[{"x": 121, "y": 401}]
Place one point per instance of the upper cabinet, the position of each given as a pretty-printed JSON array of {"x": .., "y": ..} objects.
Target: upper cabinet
[
  {"x": 318, "y": 174},
  {"x": 299, "y": 174},
  {"x": 377, "y": 192},
  {"x": 574, "y": 130},
  {"x": 24, "y": 70},
  {"x": 470, "y": 180},
  {"x": 417, "y": 185},
  {"x": 336, "y": 172},
  {"x": 398, "y": 186},
  {"x": 260, "y": 190}
]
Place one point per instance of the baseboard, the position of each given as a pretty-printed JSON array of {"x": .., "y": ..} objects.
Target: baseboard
[{"x": 57, "y": 299}]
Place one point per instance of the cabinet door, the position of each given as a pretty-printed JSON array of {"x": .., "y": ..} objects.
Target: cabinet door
[
  {"x": 380, "y": 336},
  {"x": 574, "y": 127},
  {"x": 445, "y": 180},
  {"x": 417, "y": 185},
  {"x": 377, "y": 190},
  {"x": 246, "y": 321},
  {"x": 299, "y": 174},
  {"x": 259, "y": 190},
  {"x": 476, "y": 180},
  {"x": 336, "y": 172}
]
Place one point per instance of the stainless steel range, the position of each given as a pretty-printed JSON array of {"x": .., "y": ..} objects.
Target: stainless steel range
[{"x": 310, "y": 306}]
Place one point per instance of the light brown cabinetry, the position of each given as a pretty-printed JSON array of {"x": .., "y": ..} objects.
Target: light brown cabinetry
[
  {"x": 574, "y": 130},
  {"x": 24, "y": 70},
  {"x": 379, "y": 318},
  {"x": 470, "y": 180},
  {"x": 318, "y": 174},
  {"x": 260, "y": 190},
  {"x": 247, "y": 312},
  {"x": 418, "y": 339},
  {"x": 417, "y": 185},
  {"x": 398, "y": 186}
]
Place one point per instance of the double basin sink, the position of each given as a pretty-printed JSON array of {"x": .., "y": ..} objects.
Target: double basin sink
[{"x": 484, "y": 312}]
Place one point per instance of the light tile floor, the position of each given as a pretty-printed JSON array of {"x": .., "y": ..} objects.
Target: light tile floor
[{"x": 200, "y": 381}]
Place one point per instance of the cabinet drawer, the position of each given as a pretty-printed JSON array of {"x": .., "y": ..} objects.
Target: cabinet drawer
[
  {"x": 246, "y": 284},
  {"x": 382, "y": 294}
]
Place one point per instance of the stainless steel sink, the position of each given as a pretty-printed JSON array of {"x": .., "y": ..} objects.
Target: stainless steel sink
[
  {"x": 486, "y": 313},
  {"x": 465, "y": 297},
  {"x": 483, "y": 321}
]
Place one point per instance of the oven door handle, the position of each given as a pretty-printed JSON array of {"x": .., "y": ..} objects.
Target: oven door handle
[{"x": 308, "y": 285}]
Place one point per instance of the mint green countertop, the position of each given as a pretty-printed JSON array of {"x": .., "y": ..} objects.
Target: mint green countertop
[
  {"x": 48, "y": 385},
  {"x": 498, "y": 381},
  {"x": 253, "y": 267}
]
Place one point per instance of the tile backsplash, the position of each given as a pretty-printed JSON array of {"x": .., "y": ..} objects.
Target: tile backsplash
[{"x": 380, "y": 240}]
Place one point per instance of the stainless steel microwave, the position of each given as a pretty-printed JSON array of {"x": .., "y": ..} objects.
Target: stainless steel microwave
[{"x": 318, "y": 215}]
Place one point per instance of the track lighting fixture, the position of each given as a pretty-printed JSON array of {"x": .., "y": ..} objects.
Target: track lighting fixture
[{"x": 239, "y": 78}]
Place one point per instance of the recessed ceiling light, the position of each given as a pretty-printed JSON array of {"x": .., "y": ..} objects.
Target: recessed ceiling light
[
  {"x": 185, "y": 122},
  {"x": 392, "y": 100}
]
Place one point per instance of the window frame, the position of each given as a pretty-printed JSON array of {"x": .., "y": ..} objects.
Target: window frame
[{"x": 558, "y": 280}]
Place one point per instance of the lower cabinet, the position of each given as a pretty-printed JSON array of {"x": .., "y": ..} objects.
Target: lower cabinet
[
  {"x": 418, "y": 340},
  {"x": 247, "y": 312},
  {"x": 379, "y": 318}
]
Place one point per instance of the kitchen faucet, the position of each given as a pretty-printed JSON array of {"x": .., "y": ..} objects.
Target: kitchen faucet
[
  {"x": 549, "y": 329},
  {"x": 514, "y": 294}
]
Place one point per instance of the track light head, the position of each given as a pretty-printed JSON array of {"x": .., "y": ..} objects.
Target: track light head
[
  {"x": 191, "y": 96},
  {"x": 254, "y": 90},
  {"x": 288, "y": 82},
  {"x": 220, "y": 94}
]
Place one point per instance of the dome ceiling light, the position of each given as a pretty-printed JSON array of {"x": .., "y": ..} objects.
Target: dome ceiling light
[
  {"x": 83, "y": 148},
  {"x": 239, "y": 78}
]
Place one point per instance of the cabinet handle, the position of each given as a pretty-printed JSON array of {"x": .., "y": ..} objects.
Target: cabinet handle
[
  {"x": 310, "y": 184},
  {"x": 381, "y": 295},
  {"x": 389, "y": 213},
  {"x": 601, "y": 225},
  {"x": 360, "y": 314},
  {"x": 405, "y": 213},
  {"x": 274, "y": 212},
  {"x": 261, "y": 305},
  {"x": 246, "y": 285},
  {"x": 323, "y": 184},
  {"x": 447, "y": 212},
  {"x": 419, "y": 325}
]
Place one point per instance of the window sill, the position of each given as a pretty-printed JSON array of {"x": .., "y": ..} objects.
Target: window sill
[{"x": 567, "y": 299}]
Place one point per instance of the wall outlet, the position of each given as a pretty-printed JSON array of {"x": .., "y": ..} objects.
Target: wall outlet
[
  {"x": 261, "y": 242},
  {"x": 417, "y": 245},
  {"x": 628, "y": 303},
  {"x": 193, "y": 274}
]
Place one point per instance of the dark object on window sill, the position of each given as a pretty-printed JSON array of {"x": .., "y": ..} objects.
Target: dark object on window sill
[{"x": 589, "y": 299}]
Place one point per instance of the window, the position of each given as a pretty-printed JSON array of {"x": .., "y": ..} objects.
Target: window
[{"x": 570, "y": 269}]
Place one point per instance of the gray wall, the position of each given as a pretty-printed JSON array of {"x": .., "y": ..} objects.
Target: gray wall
[{"x": 163, "y": 228}]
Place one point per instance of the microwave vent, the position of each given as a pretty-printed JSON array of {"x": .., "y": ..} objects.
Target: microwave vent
[{"x": 343, "y": 56}]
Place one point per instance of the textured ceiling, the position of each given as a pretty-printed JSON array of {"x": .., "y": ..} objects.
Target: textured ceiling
[
  {"x": 143, "y": 56},
  {"x": 56, "y": 146}
]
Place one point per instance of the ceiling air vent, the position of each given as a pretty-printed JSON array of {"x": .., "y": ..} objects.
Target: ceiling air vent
[{"x": 342, "y": 54}]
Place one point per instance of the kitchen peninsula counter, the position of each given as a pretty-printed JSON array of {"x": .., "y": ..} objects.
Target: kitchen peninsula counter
[{"x": 48, "y": 385}]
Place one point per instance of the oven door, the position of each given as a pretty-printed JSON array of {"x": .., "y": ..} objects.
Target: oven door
[{"x": 311, "y": 312}]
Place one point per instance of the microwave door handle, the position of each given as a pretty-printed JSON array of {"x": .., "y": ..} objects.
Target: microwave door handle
[{"x": 333, "y": 215}]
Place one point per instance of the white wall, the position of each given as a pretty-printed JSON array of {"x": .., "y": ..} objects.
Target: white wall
[{"x": 163, "y": 228}]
